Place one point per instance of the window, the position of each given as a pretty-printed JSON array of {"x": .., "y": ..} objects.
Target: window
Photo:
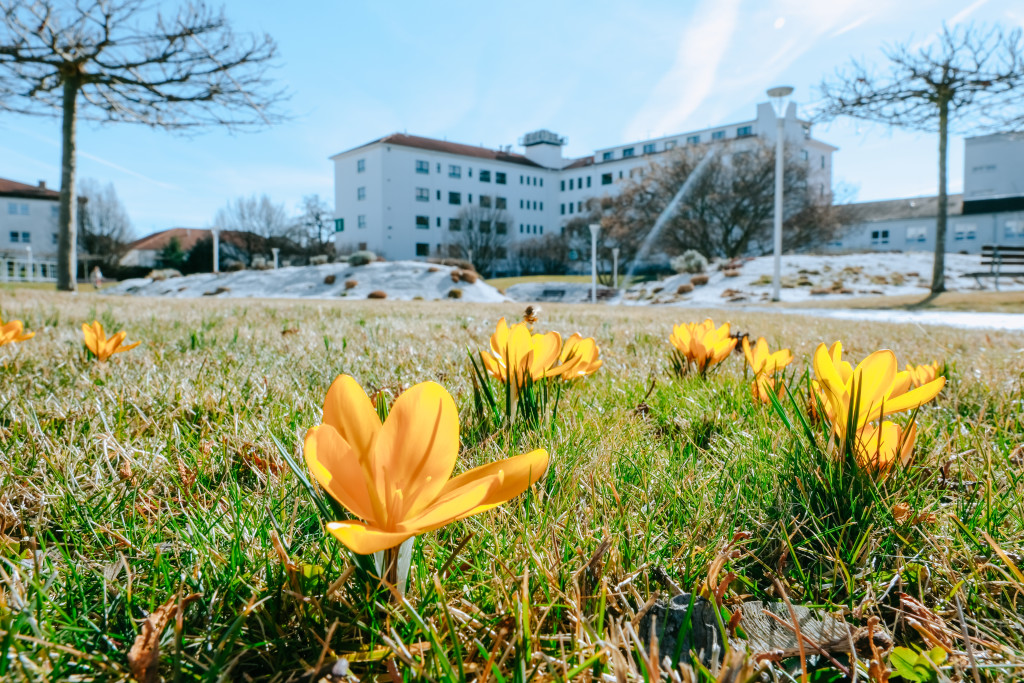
[
  {"x": 520, "y": 228},
  {"x": 422, "y": 249},
  {"x": 744, "y": 131},
  {"x": 534, "y": 205},
  {"x": 649, "y": 148},
  {"x": 671, "y": 144},
  {"x": 454, "y": 171},
  {"x": 606, "y": 179},
  {"x": 917, "y": 233},
  {"x": 520, "y": 180},
  {"x": 485, "y": 201},
  {"x": 26, "y": 237},
  {"x": 439, "y": 195},
  {"x": 520, "y": 203},
  {"x": 339, "y": 225},
  {"x": 500, "y": 203},
  {"x": 571, "y": 206},
  {"x": 361, "y": 222},
  {"x": 563, "y": 186},
  {"x": 542, "y": 229},
  {"x": 422, "y": 222},
  {"x": 986, "y": 167},
  {"x": 485, "y": 176},
  {"x": 455, "y": 198},
  {"x": 469, "y": 198},
  {"x": 542, "y": 182},
  {"x": 628, "y": 152},
  {"x": 579, "y": 207},
  {"x": 499, "y": 178},
  {"x": 542, "y": 206},
  {"x": 718, "y": 135},
  {"x": 439, "y": 221},
  {"x": 12, "y": 208},
  {"x": 823, "y": 161},
  {"x": 607, "y": 156},
  {"x": 422, "y": 166},
  {"x": 879, "y": 237},
  {"x": 439, "y": 167},
  {"x": 55, "y": 211},
  {"x": 422, "y": 194},
  {"x": 15, "y": 235},
  {"x": 360, "y": 165},
  {"x": 1013, "y": 229},
  {"x": 963, "y": 231},
  {"x": 501, "y": 228},
  {"x": 588, "y": 181},
  {"x": 54, "y": 236},
  {"x": 804, "y": 155},
  {"x": 693, "y": 139},
  {"x": 360, "y": 193},
  {"x": 485, "y": 226},
  {"x": 469, "y": 171},
  {"x": 454, "y": 224},
  {"x": 562, "y": 209}
]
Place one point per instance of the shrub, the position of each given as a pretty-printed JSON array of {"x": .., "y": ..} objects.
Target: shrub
[
  {"x": 691, "y": 261},
  {"x": 433, "y": 269},
  {"x": 329, "y": 280},
  {"x": 731, "y": 273},
  {"x": 684, "y": 288},
  {"x": 377, "y": 294},
  {"x": 361, "y": 258},
  {"x": 318, "y": 260},
  {"x": 454, "y": 293},
  {"x": 698, "y": 280},
  {"x": 235, "y": 266},
  {"x": 468, "y": 276},
  {"x": 455, "y": 262},
  {"x": 455, "y": 274},
  {"x": 164, "y": 274},
  {"x": 349, "y": 284}
]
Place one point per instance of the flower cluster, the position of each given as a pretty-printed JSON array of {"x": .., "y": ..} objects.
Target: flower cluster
[
  {"x": 701, "y": 345},
  {"x": 856, "y": 400},
  {"x": 518, "y": 356}
]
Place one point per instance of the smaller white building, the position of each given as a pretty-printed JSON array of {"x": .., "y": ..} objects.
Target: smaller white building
[{"x": 28, "y": 219}]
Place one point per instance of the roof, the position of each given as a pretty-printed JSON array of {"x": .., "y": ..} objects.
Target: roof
[
  {"x": 187, "y": 238},
  {"x": 899, "y": 209},
  {"x": 580, "y": 163},
  {"x": 448, "y": 147},
  {"x": 11, "y": 188}
]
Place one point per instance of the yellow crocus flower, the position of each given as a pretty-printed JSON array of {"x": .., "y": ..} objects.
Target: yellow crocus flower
[
  {"x": 579, "y": 357},
  {"x": 923, "y": 374},
  {"x": 702, "y": 344},
  {"x": 103, "y": 348},
  {"x": 878, "y": 448},
  {"x": 765, "y": 366},
  {"x": 395, "y": 476},
  {"x": 528, "y": 355},
  {"x": 13, "y": 331},
  {"x": 880, "y": 389}
]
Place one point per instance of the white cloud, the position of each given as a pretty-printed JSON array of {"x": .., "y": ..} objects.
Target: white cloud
[
  {"x": 693, "y": 75},
  {"x": 966, "y": 12}
]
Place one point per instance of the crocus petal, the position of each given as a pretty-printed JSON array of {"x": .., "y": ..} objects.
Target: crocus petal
[
  {"x": 127, "y": 347},
  {"x": 415, "y": 451},
  {"x": 492, "y": 366},
  {"x": 546, "y": 348},
  {"x": 454, "y": 505},
  {"x": 90, "y": 338},
  {"x": 517, "y": 474},
  {"x": 349, "y": 410},
  {"x": 749, "y": 355},
  {"x": 335, "y": 464},
  {"x": 914, "y": 398},
  {"x": 365, "y": 539}
]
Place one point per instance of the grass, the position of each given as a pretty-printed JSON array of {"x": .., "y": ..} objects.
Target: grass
[
  {"x": 988, "y": 301},
  {"x": 155, "y": 479}
]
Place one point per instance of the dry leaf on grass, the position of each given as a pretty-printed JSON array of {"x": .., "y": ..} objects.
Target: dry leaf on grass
[{"x": 144, "y": 657}]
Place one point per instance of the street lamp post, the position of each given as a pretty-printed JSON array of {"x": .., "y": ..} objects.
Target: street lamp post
[
  {"x": 778, "y": 95},
  {"x": 275, "y": 251},
  {"x": 615, "y": 267},
  {"x": 216, "y": 250},
  {"x": 595, "y": 228}
]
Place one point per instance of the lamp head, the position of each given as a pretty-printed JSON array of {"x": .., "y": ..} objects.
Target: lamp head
[{"x": 778, "y": 94}]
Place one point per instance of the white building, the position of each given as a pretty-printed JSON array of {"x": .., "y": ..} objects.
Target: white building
[
  {"x": 990, "y": 210},
  {"x": 28, "y": 219},
  {"x": 401, "y": 195}
]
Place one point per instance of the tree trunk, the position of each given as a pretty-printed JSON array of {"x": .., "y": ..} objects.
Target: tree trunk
[
  {"x": 67, "y": 262},
  {"x": 939, "y": 269}
]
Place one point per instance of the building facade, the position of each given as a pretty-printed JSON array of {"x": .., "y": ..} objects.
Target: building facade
[
  {"x": 990, "y": 210},
  {"x": 28, "y": 219},
  {"x": 408, "y": 197}
]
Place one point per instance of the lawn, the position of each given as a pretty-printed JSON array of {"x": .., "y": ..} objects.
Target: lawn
[
  {"x": 153, "y": 484},
  {"x": 987, "y": 301}
]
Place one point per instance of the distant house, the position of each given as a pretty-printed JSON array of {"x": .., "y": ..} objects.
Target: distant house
[
  {"x": 234, "y": 245},
  {"x": 28, "y": 218}
]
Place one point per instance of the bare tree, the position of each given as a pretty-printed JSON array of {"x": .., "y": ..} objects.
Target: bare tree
[
  {"x": 968, "y": 77},
  {"x": 480, "y": 234},
  {"x": 180, "y": 72},
  {"x": 316, "y": 225},
  {"x": 256, "y": 222},
  {"x": 103, "y": 222},
  {"x": 728, "y": 210}
]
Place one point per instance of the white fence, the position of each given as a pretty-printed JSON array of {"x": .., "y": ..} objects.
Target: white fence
[{"x": 27, "y": 270}]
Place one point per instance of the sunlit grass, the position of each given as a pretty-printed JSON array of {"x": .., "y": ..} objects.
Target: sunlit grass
[{"x": 156, "y": 475}]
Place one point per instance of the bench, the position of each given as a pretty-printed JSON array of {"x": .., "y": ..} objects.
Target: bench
[{"x": 997, "y": 257}]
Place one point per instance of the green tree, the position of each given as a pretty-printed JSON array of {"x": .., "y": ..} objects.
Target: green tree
[{"x": 172, "y": 256}]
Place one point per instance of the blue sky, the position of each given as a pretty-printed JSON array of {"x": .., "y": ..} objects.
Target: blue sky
[{"x": 600, "y": 73}]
